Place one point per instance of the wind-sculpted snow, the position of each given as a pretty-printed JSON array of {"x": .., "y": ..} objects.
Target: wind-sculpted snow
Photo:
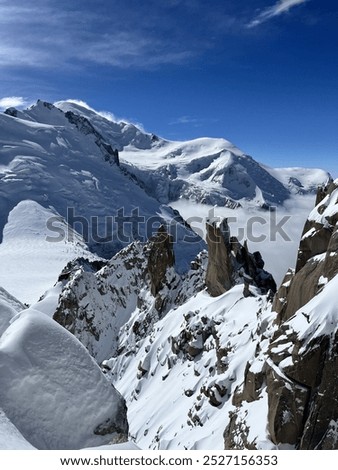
[{"x": 53, "y": 391}]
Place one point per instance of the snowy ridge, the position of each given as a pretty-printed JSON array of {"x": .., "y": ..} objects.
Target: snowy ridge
[
  {"x": 218, "y": 363},
  {"x": 160, "y": 337},
  {"x": 96, "y": 305},
  {"x": 60, "y": 166},
  {"x": 9, "y": 307}
]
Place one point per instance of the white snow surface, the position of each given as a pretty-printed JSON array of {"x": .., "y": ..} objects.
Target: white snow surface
[
  {"x": 29, "y": 263},
  {"x": 9, "y": 307},
  {"x": 47, "y": 159},
  {"x": 167, "y": 406},
  {"x": 319, "y": 316},
  {"x": 51, "y": 388},
  {"x": 50, "y": 168},
  {"x": 10, "y": 437},
  {"x": 330, "y": 208}
]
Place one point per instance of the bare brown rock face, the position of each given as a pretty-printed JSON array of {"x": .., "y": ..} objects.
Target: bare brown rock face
[
  {"x": 287, "y": 401},
  {"x": 320, "y": 430},
  {"x": 310, "y": 366},
  {"x": 220, "y": 275},
  {"x": 317, "y": 256},
  {"x": 307, "y": 389},
  {"x": 230, "y": 263},
  {"x": 303, "y": 396},
  {"x": 298, "y": 370},
  {"x": 160, "y": 258}
]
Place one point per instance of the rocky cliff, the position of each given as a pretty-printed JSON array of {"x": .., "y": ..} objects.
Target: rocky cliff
[
  {"x": 230, "y": 263},
  {"x": 297, "y": 367},
  {"x": 139, "y": 282}
]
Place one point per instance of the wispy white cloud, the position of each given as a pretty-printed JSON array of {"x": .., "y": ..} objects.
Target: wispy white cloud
[
  {"x": 282, "y": 6},
  {"x": 106, "y": 114},
  {"x": 12, "y": 102},
  {"x": 184, "y": 120},
  {"x": 191, "y": 121},
  {"x": 51, "y": 34},
  {"x": 125, "y": 34}
]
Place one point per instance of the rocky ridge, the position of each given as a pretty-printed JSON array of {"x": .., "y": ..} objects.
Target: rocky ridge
[{"x": 297, "y": 367}]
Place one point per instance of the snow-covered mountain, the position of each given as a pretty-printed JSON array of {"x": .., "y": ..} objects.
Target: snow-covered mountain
[
  {"x": 211, "y": 171},
  {"x": 60, "y": 181},
  {"x": 91, "y": 184},
  {"x": 147, "y": 308}
]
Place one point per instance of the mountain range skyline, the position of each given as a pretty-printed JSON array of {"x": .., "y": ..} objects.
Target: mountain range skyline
[{"x": 261, "y": 74}]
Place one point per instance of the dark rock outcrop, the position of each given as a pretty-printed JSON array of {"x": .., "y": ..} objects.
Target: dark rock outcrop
[
  {"x": 118, "y": 426},
  {"x": 231, "y": 263},
  {"x": 287, "y": 401},
  {"x": 99, "y": 297},
  {"x": 160, "y": 258},
  {"x": 11, "y": 112},
  {"x": 220, "y": 274},
  {"x": 308, "y": 364},
  {"x": 85, "y": 127}
]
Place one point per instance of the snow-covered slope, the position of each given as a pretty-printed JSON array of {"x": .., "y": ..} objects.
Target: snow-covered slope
[
  {"x": 118, "y": 133},
  {"x": 164, "y": 341},
  {"x": 9, "y": 307},
  {"x": 60, "y": 162},
  {"x": 29, "y": 263},
  {"x": 191, "y": 363},
  {"x": 10, "y": 437},
  {"x": 213, "y": 171},
  {"x": 52, "y": 390},
  {"x": 96, "y": 304}
]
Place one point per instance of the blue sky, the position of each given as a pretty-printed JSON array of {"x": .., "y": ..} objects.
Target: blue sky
[{"x": 261, "y": 73}]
